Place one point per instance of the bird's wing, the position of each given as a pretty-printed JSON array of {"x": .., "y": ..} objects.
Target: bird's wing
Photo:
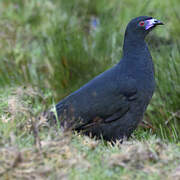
[
  {"x": 108, "y": 96},
  {"x": 110, "y": 105},
  {"x": 118, "y": 114},
  {"x": 128, "y": 95}
]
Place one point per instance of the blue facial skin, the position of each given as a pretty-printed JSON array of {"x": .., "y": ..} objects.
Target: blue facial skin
[{"x": 151, "y": 23}]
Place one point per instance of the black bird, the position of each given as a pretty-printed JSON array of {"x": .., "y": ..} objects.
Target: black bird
[{"x": 112, "y": 104}]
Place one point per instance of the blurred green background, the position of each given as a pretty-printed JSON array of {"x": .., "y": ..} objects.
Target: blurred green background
[{"x": 56, "y": 46}]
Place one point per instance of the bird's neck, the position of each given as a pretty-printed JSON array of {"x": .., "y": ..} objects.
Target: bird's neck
[
  {"x": 138, "y": 58},
  {"x": 134, "y": 46}
]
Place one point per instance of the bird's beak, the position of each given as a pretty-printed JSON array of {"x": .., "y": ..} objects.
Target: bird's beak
[{"x": 151, "y": 23}]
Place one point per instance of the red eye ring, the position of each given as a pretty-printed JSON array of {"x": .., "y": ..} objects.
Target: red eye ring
[{"x": 141, "y": 23}]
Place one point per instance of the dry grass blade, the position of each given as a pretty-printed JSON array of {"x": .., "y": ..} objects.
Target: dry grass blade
[
  {"x": 55, "y": 159},
  {"x": 149, "y": 157}
]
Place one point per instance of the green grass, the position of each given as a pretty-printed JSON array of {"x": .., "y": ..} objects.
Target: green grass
[
  {"x": 48, "y": 50},
  {"x": 31, "y": 149}
]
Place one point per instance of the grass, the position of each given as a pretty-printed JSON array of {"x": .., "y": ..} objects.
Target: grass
[
  {"x": 31, "y": 149},
  {"x": 48, "y": 49}
]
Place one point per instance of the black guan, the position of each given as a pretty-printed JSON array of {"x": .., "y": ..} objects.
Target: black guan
[{"x": 113, "y": 103}]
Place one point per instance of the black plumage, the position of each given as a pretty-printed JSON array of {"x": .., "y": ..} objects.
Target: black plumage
[{"x": 112, "y": 104}]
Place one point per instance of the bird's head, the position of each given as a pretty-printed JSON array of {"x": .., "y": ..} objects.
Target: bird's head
[{"x": 140, "y": 26}]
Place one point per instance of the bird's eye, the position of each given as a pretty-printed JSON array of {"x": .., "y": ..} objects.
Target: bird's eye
[{"x": 141, "y": 23}]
